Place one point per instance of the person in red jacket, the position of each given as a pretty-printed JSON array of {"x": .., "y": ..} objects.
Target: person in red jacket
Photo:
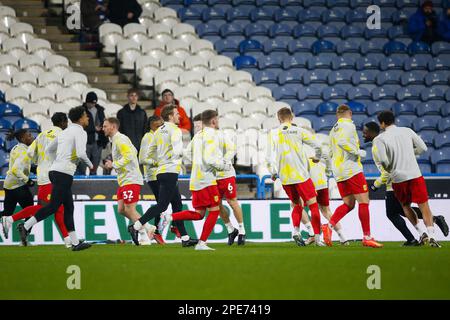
[{"x": 168, "y": 99}]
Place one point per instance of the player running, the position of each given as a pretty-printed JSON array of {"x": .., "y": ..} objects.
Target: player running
[
  {"x": 70, "y": 148},
  {"x": 348, "y": 172},
  {"x": 166, "y": 150},
  {"x": 207, "y": 159},
  {"x": 36, "y": 152},
  {"x": 395, "y": 151},
  {"x": 394, "y": 209},
  {"x": 129, "y": 177},
  {"x": 287, "y": 158}
]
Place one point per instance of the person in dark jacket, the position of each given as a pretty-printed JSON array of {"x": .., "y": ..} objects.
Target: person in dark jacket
[
  {"x": 444, "y": 26},
  {"x": 123, "y": 12},
  {"x": 93, "y": 14},
  {"x": 422, "y": 25},
  {"x": 133, "y": 119},
  {"x": 96, "y": 138}
]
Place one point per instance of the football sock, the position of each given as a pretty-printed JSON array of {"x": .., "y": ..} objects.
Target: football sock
[
  {"x": 296, "y": 230},
  {"x": 315, "y": 217},
  {"x": 26, "y": 213},
  {"x": 431, "y": 232},
  {"x": 137, "y": 225},
  {"x": 209, "y": 224},
  {"x": 296, "y": 215},
  {"x": 74, "y": 238},
  {"x": 317, "y": 238},
  {"x": 241, "y": 228},
  {"x": 30, "y": 223},
  {"x": 186, "y": 215},
  {"x": 340, "y": 212},
  {"x": 419, "y": 228},
  {"x": 341, "y": 235},
  {"x": 230, "y": 227},
  {"x": 309, "y": 227},
  {"x": 364, "y": 217}
]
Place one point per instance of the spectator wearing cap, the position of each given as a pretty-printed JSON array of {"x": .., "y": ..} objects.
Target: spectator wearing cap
[
  {"x": 168, "y": 98},
  {"x": 133, "y": 119},
  {"x": 422, "y": 25},
  {"x": 96, "y": 139}
]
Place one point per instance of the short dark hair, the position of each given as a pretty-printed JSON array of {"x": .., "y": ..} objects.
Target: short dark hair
[
  {"x": 285, "y": 113},
  {"x": 197, "y": 117},
  {"x": 58, "y": 118},
  {"x": 373, "y": 127},
  {"x": 18, "y": 135},
  {"x": 343, "y": 108},
  {"x": 208, "y": 115},
  {"x": 114, "y": 121},
  {"x": 152, "y": 119},
  {"x": 76, "y": 113},
  {"x": 132, "y": 90},
  {"x": 167, "y": 111},
  {"x": 387, "y": 117},
  {"x": 166, "y": 91}
]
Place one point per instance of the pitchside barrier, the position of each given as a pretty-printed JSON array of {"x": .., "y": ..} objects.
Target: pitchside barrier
[{"x": 266, "y": 220}]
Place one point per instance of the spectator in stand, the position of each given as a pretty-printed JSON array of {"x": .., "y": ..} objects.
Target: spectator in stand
[
  {"x": 96, "y": 139},
  {"x": 169, "y": 99},
  {"x": 422, "y": 25},
  {"x": 93, "y": 14},
  {"x": 444, "y": 26},
  {"x": 133, "y": 119},
  {"x": 123, "y": 12}
]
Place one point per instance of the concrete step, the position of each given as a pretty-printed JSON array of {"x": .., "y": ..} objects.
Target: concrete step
[
  {"x": 110, "y": 79},
  {"x": 29, "y": 11},
  {"x": 25, "y": 3},
  {"x": 65, "y": 46},
  {"x": 95, "y": 71},
  {"x": 86, "y": 63},
  {"x": 59, "y": 38},
  {"x": 78, "y": 54}
]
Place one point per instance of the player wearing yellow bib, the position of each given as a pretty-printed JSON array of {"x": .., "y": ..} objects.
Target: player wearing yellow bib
[
  {"x": 348, "y": 172},
  {"x": 287, "y": 158}
]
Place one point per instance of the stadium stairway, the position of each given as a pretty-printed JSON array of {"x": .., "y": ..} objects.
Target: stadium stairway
[{"x": 47, "y": 24}]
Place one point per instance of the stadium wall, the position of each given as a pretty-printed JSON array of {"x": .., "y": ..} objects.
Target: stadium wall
[{"x": 266, "y": 221}]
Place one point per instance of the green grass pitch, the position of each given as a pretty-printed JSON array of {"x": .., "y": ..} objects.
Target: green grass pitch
[{"x": 255, "y": 271}]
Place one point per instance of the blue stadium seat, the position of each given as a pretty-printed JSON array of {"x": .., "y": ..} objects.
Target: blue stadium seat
[
  {"x": 10, "y": 112},
  {"x": 447, "y": 95},
  {"x": 356, "y": 93},
  {"x": 289, "y": 3},
  {"x": 280, "y": 29},
  {"x": 250, "y": 46},
  {"x": 325, "y": 31},
  {"x": 429, "y": 108},
  {"x": 357, "y": 107},
  {"x": 321, "y": 46},
  {"x": 347, "y": 46},
  {"x": 337, "y": 3},
  {"x": 5, "y": 125},
  {"x": 376, "y": 106},
  {"x": 264, "y": 3},
  {"x": 391, "y": 63},
  {"x": 366, "y": 77},
  {"x": 440, "y": 47},
  {"x": 258, "y": 14},
  {"x": 364, "y": 63},
  {"x": 271, "y": 61},
  {"x": 169, "y": 2},
  {"x": 441, "y": 158},
  {"x": 394, "y": 47},
  {"x": 187, "y": 13},
  {"x": 322, "y": 61},
  {"x": 405, "y": 121},
  {"x": 303, "y": 30},
  {"x": 262, "y": 77},
  {"x": 255, "y": 29},
  {"x": 310, "y": 3},
  {"x": 300, "y": 45},
  {"x": 26, "y": 124},
  {"x": 297, "y": 60},
  {"x": 439, "y": 63},
  {"x": 226, "y": 45},
  {"x": 358, "y": 15},
  {"x": 243, "y": 62},
  {"x": 400, "y": 17},
  {"x": 275, "y": 45},
  {"x": 375, "y": 45},
  {"x": 396, "y": 32},
  {"x": 313, "y": 91},
  {"x": 389, "y": 77},
  {"x": 442, "y": 140},
  {"x": 238, "y": 13},
  {"x": 409, "y": 93},
  {"x": 324, "y": 123},
  {"x": 333, "y": 15},
  {"x": 427, "y": 137},
  {"x": 333, "y": 93},
  {"x": 340, "y": 76},
  {"x": 231, "y": 29},
  {"x": 425, "y": 123},
  {"x": 418, "y": 47},
  {"x": 315, "y": 76},
  {"x": 381, "y": 93},
  {"x": 4, "y": 158},
  {"x": 445, "y": 109},
  {"x": 444, "y": 124},
  {"x": 401, "y": 108},
  {"x": 211, "y": 14},
  {"x": 359, "y": 3},
  {"x": 309, "y": 15},
  {"x": 285, "y": 92},
  {"x": 407, "y": 3},
  {"x": 291, "y": 76},
  {"x": 282, "y": 14},
  {"x": 417, "y": 63},
  {"x": 374, "y": 33},
  {"x": 437, "y": 78},
  {"x": 327, "y": 108},
  {"x": 303, "y": 107},
  {"x": 432, "y": 94},
  {"x": 342, "y": 62},
  {"x": 207, "y": 29},
  {"x": 413, "y": 77},
  {"x": 351, "y": 31},
  {"x": 237, "y": 3}
]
